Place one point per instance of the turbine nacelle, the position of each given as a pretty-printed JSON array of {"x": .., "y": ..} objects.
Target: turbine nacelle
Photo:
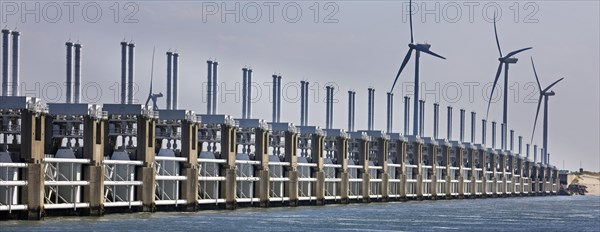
[
  {"x": 419, "y": 47},
  {"x": 551, "y": 93},
  {"x": 508, "y": 60}
]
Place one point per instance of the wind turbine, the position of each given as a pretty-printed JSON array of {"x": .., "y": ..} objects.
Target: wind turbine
[
  {"x": 506, "y": 61},
  {"x": 544, "y": 93},
  {"x": 419, "y": 48},
  {"x": 152, "y": 96}
]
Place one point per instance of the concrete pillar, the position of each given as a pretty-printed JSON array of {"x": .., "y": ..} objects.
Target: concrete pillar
[
  {"x": 401, "y": 159},
  {"x": 494, "y": 165},
  {"x": 382, "y": 158},
  {"x": 521, "y": 174},
  {"x": 447, "y": 150},
  {"x": 93, "y": 139},
  {"x": 342, "y": 157},
  {"x": 418, "y": 152},
  {"x": 261, "y": 154},
  {"x": 32, "y": 152},
  {"x": 511, "y": 169},
  {"x": 471, "y": 152},
  {"x": 460, "y": 177},
  {"x": 291, "y": 156},
  {"x": 228, "y": 135},
  {"x": 189, "y": 150},
  {"x": 534, "y": 179},
  {"x": 483, "y": 166},
  {"x": 503, "y": 165},
  {"x": 363, "y": 160},
  {"x": 145, "y": 153},
  {"x": 318, "y": 143},
  {"x": 556, "y": 181},
  {"x": 433, "y": 151}
]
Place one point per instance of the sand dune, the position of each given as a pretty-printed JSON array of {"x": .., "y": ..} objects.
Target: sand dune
[{"x": 589, "y": 179}]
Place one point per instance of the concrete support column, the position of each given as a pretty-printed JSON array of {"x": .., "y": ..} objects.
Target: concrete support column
[
  {"x": 145, "y": 153},
  {"x": 261, "y": 154},
  {"x": 342, "y": 158},
  {"x": 93, "y": 138},
  {"x": 434, "y": 165},
  {"x": 401, "y": 159},
  {"x": 382, "y": 159},
  {"x": 418, "y": 152},
  {"x": 511, "y": 169},
  {"x": 472, "y": 154},
  {"x": 32, "y": 153},
  {"x": 503, "y": 165},
  {"x": 228, "y": 134},
  {"x": 556, "y": 180},
  {"x": 483, "y": 166},
  {"x": 521, "y": 173},
  {"x": 363, "y": 160},
  {"x": 189, "y": 150},
  {"x": 318, "y": 144},
  {"x": 535, "y": 179},
  {"x": 35, "y": 191},
  {"x": 447, "y": 150},
  {"x": 494, "y": 166},
  {"x": 291, "y": 156},
  {"x": 461, "y": 178}
]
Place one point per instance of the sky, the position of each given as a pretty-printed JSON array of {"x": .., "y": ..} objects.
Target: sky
[{"x": 352, "y": 45}]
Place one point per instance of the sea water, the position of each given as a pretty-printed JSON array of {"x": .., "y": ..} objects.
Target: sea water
[{"x": 555, "y": 213}]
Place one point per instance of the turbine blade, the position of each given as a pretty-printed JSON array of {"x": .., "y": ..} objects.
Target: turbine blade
[
  {"x": 536, "y": 116},
  {"x": 550, "y": 86},
  {"x": 493, "y": 88},
  {"x": 516, "y": 52},
  {"x": 404, "y": 62},
  {"x": 536, "y": 76},
  {"x": 496, "y": 33},
  {"x": 410, "y": 16},
  {"x": 432, "y": 53},
  {"x": 152, "y": 70}
]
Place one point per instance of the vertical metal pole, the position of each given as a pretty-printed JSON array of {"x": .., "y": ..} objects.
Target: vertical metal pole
[
  {"x": 169, "y": 73},
  {"x": 209, "y": 88},
  {"x": 215, "y": 87},
  {"x": 244, "y": 92},
  {"x": 69, "y": 71},
  {"x": 131, "y": 77},
  {"x": 406, "y": 114},
  {"x": 449, "y": 131},
  {"x": 249, "y": 96},
  {"x": 436, "y": 120},
  {"x": 473, "y": 125}
]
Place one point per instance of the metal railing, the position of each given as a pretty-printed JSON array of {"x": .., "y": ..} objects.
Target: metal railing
[
  {"x": 209, "y": 181},
  {"x": 332, "y": 181},
  {"x": 354, "y": 182},
  {"x": 375, "y": 182},
  {"x": 411, "y": 181},
  {"x": 11, "y": 185},
  {"x": 168, "y": 180},
  {"x": 278, "y": 181},
  {"x": 63, "y": 183},
  {"x": 394, "y": 184},
  {"x": 245, "y": 180},
  {"x": 306, "y": 182},
  {"x": 427, "y": 181},
  {"x": 120, "y": 182}
]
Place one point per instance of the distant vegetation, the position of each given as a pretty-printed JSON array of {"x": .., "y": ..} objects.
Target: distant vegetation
[{"x": 586, "y": 173}]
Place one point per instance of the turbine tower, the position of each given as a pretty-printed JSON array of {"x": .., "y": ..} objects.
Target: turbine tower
[
  {"x": 152, "y": 96},
  {"x": 544, "y": 93},
  {"x": 506, "y": 61},
  {"x": 419, "y": 48}
]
